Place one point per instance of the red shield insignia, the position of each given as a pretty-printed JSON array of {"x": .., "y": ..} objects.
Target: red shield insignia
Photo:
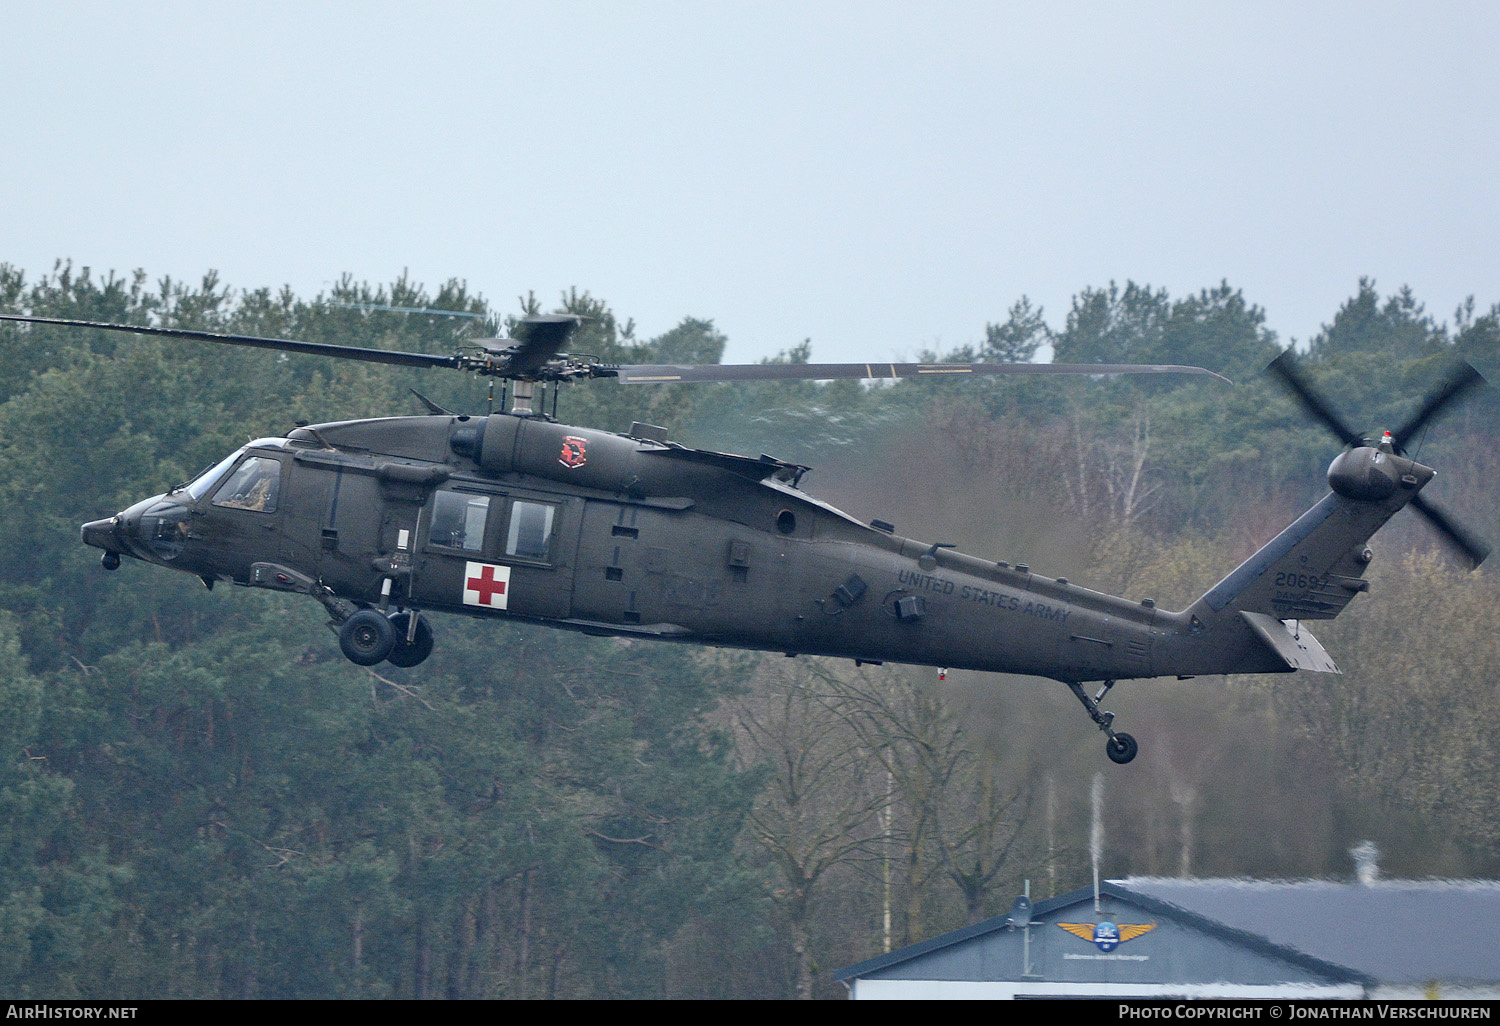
[{"x": 572, "y": 455}]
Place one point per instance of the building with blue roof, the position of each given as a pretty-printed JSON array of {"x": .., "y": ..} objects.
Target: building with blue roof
[{"x": 1145, "y": 937}]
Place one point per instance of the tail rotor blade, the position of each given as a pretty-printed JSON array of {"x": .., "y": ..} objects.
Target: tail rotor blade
[
  {"x": 1474, "y": 549},
  {"x": 1284, "y": 369},
  {"x": 1460, "y": 379}
]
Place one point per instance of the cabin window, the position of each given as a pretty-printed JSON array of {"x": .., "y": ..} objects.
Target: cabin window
[
  {"x": 530, "y": 535},
  {"x": 254, "y": 485},
  {"x": 458, "y": 520}
]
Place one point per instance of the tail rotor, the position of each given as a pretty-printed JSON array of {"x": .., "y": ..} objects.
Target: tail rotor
[{"x": 1459, "y": 380}]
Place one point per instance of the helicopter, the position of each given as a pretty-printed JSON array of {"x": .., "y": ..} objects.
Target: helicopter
[{"x": 514, "y": 514}]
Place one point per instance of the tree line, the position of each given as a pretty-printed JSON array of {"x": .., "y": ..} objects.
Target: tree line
[{"x": 200, "y": 798}]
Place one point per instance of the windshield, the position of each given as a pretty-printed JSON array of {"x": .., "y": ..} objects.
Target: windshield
[
  {"x": 206, "y": 481},
  {"x": 253, "y": 485}
]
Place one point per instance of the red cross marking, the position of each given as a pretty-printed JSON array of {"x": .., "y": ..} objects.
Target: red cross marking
[{"x": 486, "y": 585}]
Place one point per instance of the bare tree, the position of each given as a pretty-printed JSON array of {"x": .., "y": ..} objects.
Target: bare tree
[
  {"x": 905, "y": 731},
  {"x": 960, "y": 820},
  {"x": 1410, "y": 719},
  {"x": 1110, "y": 481},
  {"x": 981, "y": 831},
  {"x": 820, "y": 808}
]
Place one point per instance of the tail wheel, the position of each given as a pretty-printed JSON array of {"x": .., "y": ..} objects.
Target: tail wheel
[
  {"x": 367, "y": 637},
  {"x": 407, "y": 655},
  {"x": 1121, "y": 748}
]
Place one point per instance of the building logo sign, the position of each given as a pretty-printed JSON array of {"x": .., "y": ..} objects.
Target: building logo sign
[{"x": 1106, "y": 936}]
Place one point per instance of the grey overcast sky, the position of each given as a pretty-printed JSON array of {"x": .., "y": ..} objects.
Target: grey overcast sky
[{"x": 880, "y": 177}]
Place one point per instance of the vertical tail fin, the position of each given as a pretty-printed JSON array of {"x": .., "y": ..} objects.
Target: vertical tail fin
[{"x": 1310, "y": 571}]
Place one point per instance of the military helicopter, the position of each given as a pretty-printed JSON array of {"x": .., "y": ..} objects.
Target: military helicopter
[{"x": 513, "y": 514}]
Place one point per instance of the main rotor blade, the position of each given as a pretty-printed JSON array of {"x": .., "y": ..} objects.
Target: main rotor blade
[
  {"x": 1462, "y": 540},
  {"x": 1460, "y": 379},
  {"x": 1284, "y": 369},
  {"x": 540, "y": 339},
  {"x": 430, "y": 311},
  {"x": 286, "y": 345},
  {"x": 661, "y": 374}
]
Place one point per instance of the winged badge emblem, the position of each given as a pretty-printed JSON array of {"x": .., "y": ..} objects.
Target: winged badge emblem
[{"x": 1106, "y": 936}]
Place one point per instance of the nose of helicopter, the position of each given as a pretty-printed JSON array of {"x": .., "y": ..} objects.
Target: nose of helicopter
[
  {"x": 110, "y": 535},
  {"x": 149, "y": 530},
  {"x": 103, "y": 534}
]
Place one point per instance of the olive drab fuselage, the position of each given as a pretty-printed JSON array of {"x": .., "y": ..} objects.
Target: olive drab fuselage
[
  {"x": 610, "y": 534},
  {"x": 627, "y": 536}
]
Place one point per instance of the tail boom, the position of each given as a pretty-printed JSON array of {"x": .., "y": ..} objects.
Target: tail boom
[{"x": 1310, "y": 571}]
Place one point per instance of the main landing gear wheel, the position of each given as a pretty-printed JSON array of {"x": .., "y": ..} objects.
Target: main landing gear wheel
[
  {"x": 404, "y": 655},
  {"x": 1121, "y": 748},
  {"x": 367, "y": 637}
]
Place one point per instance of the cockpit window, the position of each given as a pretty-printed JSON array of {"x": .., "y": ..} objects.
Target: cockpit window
[
  {"x": 254, "y": 485},
  {"x": 205, "y": 481}
]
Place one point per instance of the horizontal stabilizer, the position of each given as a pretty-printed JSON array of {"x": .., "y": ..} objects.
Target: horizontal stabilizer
[{"x": 1298, "y": 648}]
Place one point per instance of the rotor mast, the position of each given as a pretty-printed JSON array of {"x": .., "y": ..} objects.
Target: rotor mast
[{"x": 520, "y": 403}]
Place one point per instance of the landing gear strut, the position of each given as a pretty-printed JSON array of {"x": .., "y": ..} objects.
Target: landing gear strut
[{"x": 1120, "y": 748}]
